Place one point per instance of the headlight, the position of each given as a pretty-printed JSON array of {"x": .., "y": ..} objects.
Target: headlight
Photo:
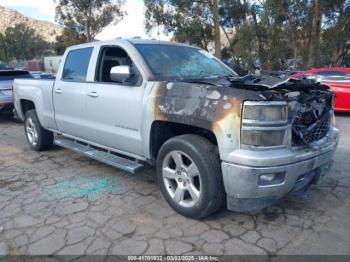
[
  {"x": 264, "y": 123},
  {"x": 263, "y": 138},
  {"x": 265, "y": 111}
]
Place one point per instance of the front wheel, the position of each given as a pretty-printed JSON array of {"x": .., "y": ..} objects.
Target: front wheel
[
  {"x": 38, "y": 138},
  {"x": 189, "y": 175}
]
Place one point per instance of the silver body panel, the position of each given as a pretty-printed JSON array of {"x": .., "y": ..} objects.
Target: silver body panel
[
  {"x": 119, "y": 118},
  {"x": 40, "y": 93}
]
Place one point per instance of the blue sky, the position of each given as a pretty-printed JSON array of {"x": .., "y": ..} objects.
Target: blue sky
[
  {"x": 39, "y": 9},
  {"x": 132, "y": 25},
  {"x": 33, "y": 12}
]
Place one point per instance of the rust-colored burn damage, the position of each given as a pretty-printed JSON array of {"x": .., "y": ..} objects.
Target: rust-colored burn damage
[{"x": 215, "y": 108}]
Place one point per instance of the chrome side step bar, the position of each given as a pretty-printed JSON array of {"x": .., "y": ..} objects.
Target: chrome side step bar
[{"x": 131, "y": 166}]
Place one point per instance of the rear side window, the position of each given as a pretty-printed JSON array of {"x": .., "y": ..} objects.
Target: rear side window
[{"x": 76, "y": 65}]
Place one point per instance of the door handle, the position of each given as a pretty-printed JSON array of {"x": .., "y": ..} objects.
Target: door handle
[
  {"x": 93, "y": 94},
  {"x": 58, "y": 91}
]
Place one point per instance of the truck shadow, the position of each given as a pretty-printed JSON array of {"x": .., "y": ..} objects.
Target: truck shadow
[
  {"x": 7, "y": 118},
  {"x": 343, "y": 114}
]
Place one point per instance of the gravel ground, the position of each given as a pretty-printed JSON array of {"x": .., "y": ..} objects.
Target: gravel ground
[{"x": 58, "y": 202}]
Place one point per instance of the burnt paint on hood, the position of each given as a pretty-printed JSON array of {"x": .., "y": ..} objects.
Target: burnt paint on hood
[
  {"x": 265, "y": 83},
  {"x": 212, "y": 107},
  {"x": 199, "y": 104}
]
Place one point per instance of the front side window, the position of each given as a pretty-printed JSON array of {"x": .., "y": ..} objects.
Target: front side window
[
  {"x": 332, "y": 73},
  {"x": 76, "y": 65},
  {"x": 171, "y": 62},
  {"x": 112, "y": 56}
]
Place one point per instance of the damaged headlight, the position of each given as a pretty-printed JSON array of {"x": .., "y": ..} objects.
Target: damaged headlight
[
  {"x": 263, "y": 138},
  {"x": 265, "y": 111},
  {"x": 264, "y": 123}
]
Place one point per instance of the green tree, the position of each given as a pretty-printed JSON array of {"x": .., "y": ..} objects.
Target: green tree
[
  {"x": 296, "y": 22},
  {"x": 196, "y": 22},
  {"x": 315, "y": 33},
  {"x": 4, "y": 55},
  {"x": 21, "y": 43},
  {"x": 89, "y": 17},
  {"x": 335, "y": 38},
  {"x": 310, "y": 33},
  {"x": 188, "y": 22},
  {"x": 68, "y": 38},
  {"x": 279, "y": 34}
]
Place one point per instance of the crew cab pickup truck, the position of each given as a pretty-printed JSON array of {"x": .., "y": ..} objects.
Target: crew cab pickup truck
[{"x": 214, "y": 137}]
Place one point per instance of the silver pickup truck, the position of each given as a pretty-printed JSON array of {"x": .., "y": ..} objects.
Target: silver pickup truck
[{"x": 214, "y": 137}]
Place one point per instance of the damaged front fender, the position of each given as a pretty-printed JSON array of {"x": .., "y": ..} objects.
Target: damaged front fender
[{"x": 214, "y": 108}]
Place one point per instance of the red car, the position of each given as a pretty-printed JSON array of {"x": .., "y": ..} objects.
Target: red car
[{"x": 337, "y": 78}]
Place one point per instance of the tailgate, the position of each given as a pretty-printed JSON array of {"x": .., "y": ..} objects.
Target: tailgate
[
  {"x": 38, "y": 91},
  {"x": 6, "y": 91}
]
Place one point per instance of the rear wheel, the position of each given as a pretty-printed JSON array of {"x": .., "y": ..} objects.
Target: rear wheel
[
  {"x": 38, "y": 138},
  {"x": 189, "y": 174}
]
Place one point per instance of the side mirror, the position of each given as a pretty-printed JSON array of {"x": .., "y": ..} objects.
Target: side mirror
[{"x": 120, "y": 73}]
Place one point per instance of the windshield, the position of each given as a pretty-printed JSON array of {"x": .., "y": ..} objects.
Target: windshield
[{"x": 171, "y": 62}]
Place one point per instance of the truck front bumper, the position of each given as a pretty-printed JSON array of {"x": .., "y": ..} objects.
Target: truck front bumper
[{"x": 251, "y": 188}]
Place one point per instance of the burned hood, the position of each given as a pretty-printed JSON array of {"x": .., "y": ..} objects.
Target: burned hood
[
  {"x": 257, "y": 82},
  {"x": 207, "y": 102},
  {"x": 192, "y": 102},
  {"x": 265, "y": 83}
]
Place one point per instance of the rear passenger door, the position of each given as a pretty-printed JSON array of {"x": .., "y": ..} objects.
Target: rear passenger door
[{"x": 69, "y": 93}]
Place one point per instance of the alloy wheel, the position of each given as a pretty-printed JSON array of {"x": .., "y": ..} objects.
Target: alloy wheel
[
  {"x": 181, "y": 178},
  {"x": 31, "y": 131}
]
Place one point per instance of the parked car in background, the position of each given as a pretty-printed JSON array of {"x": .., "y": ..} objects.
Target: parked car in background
[
  {"x": 41, "y": 75},
  {"x": 279, "y": 74},
  {"x": 337, "y": 78},
  {"x": 6, "y": 79},
  {"x": 324, "y": 72}
]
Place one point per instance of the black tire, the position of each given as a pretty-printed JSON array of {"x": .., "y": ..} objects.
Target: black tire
[
  {"x": 205, "y": 155},
  {"x": 44, "y": 137}
]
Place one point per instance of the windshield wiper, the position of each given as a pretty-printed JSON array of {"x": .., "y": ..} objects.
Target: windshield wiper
[
  {"x": 196, "y": 81},
  {"x": 243, "y": 79}
]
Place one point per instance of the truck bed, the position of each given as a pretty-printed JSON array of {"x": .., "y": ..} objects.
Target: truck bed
[{"x": 40, "y": 92}]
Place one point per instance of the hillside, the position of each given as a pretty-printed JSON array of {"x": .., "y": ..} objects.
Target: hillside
[{"x": 47, "y": 30}]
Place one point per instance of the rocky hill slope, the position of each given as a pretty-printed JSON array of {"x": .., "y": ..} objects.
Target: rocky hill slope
[{"x": 47, "y": 30}]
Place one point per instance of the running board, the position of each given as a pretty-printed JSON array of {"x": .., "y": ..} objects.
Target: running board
[{"x": 103, "y": 156}]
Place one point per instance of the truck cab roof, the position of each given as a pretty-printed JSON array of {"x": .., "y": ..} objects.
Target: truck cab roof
[{"x": 132, "y": 41}]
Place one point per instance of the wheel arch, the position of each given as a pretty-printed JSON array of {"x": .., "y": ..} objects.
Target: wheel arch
[
  {"x": 26, "y": 105},
  {"x": 161, "y": 131}
]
